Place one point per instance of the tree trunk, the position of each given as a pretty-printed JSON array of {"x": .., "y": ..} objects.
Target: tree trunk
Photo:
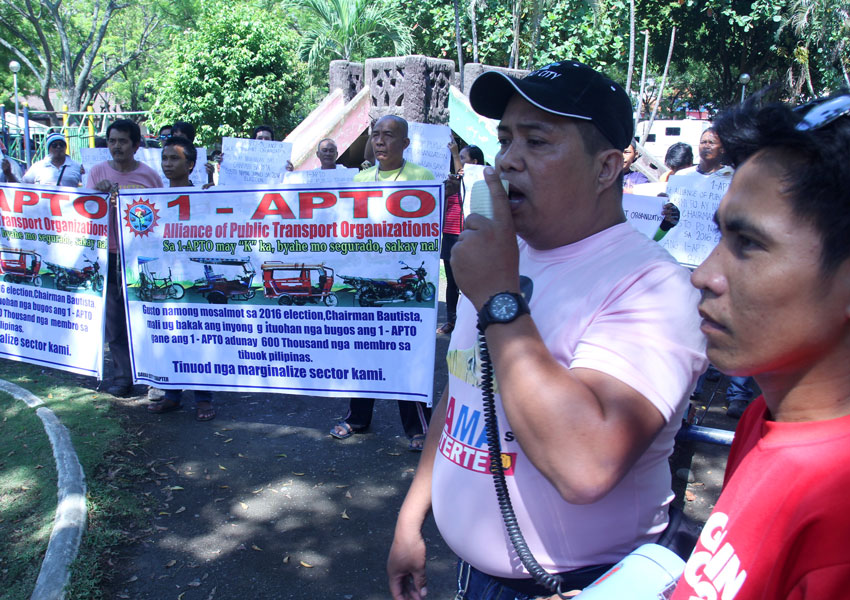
[
  {"x": 642, "y": 82},
  {"x": 472, "y": 18},
  {"x": 54, "y": 58},
  {"x": 513, "y": 62},
  {"x": 535, "y": 36},
  {"x": 631, "y": 47},
  {"x": 457, "y": 42},
  {"x": 663, "y": 83}
]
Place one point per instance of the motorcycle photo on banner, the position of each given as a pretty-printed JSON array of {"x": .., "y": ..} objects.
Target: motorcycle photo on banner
[
  {"x": 67, "y": 278},
  {"x": 413, "y": 285}
]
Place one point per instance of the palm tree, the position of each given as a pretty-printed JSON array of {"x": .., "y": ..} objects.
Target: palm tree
[
  {"x": 348, "y": 29},
  {"x": 817, "y": 24}
]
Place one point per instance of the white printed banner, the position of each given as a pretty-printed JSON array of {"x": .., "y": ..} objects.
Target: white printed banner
[
  {"x": 248, "y": 162},
  {"x": 698, "y": 197},
  {"x": 53, "y": 265},
  {"x": 326, "y": 291},
  {"x": 152, "y": 157}
]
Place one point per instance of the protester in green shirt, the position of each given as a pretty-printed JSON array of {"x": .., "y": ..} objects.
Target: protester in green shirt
[{"x": 389, "y": 139}]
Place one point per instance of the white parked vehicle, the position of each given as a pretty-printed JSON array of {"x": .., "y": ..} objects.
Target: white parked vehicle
[{"x": 665, "y": 133}]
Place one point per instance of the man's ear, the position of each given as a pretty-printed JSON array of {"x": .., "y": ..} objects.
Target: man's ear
[
  {"x": 406, "y": 142},
  {"x": 610, "y": 165}
]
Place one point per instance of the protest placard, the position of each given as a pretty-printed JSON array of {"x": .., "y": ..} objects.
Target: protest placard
[
  {"x": 471, "y": 174},
  {"x": 326, "y": 291},
  {"x": 697, "y": 197},
  {"x": 322, "y": 177},
  {"x": 652, "y": 188},
  {"x": 152, "y": 157},
  {"x": 253, "y": 162},
  {"x": 53, "y": 264},
  {"x": 644, "y": 212},
  {"x": 429, "y": 148}
]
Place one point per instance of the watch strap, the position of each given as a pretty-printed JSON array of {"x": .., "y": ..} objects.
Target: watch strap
[{"x": 485, "y": 317}]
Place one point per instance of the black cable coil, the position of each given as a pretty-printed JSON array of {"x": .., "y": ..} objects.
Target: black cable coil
[{"x": 547, "y": 580}]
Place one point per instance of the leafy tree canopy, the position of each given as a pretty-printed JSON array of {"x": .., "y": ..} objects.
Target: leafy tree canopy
[{"x": 238, "y": 69}]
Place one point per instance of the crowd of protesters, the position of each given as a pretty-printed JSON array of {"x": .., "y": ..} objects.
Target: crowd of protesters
[{"x": 598, "y": 337}]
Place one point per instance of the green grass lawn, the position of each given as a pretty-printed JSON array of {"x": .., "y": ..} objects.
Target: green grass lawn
[{"x": 28, "y": 478}]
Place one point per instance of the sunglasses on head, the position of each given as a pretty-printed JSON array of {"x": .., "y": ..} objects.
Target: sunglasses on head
[{"x": 822, "y": 112}]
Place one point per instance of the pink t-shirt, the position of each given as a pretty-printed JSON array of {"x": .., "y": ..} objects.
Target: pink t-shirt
[
  {"x": 141, "y": 177},
  {"x": 617, "y": 303}
]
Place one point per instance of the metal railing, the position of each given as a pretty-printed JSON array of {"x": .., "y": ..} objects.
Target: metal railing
[{"x": 79, "y": 128}]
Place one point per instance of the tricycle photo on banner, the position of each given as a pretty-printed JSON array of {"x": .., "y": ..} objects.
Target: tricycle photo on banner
[
  {"x": 20, "y": 266},
  {"x": 218, "y": 288},
  {"x": 152, "y": 287},
  {"x": 299, "y": 283},
  {"x": 407, "y": 288}
]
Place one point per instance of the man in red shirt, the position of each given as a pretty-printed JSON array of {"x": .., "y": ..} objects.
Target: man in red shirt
[{"x": 776, "y": 306}]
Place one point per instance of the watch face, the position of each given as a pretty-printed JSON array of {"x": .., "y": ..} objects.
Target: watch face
[{"x": 503, "y": 307}]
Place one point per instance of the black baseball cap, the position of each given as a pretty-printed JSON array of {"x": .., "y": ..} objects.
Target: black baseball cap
[{"x": 567, "y": 88}]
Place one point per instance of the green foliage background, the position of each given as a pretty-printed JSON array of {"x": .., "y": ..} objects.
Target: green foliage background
[
  {"x": 238, "y": 69},
  {"x": 228, "y": 67}
]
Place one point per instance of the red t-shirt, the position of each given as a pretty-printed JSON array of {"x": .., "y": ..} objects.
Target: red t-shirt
[
  {"x": 781, "y": 527},
  {"x": 454, "y": 215}
]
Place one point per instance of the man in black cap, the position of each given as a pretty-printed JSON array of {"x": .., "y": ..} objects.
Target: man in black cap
[{"x": 593, "y": 336}]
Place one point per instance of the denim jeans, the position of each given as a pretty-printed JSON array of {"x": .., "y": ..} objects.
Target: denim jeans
[
  {"x": 739, "y": 390},
  {"x": 472, "y": 584}
]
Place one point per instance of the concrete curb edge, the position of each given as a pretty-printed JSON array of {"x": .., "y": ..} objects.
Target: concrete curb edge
[{"x": 70, "y": 519}]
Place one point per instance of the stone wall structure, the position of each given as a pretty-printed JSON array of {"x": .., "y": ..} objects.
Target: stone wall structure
[
  {"x": 471, "y": 71},
  {"x": 347, "y": 76},
  {"x": 413, "y": 87}
]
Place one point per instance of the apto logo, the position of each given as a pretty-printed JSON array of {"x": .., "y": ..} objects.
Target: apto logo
[
  {"x": 714, "y": 569},
  {"x": 141, "y": 217}
]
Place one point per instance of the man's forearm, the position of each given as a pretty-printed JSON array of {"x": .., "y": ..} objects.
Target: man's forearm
[{"x": 600, "y": 425}]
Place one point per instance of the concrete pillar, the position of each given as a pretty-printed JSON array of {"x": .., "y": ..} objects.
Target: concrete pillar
[
  {"x": 413, "y": 87},
  {"x": 471, "y": 71},
  {"x": 347, "y": 76}
]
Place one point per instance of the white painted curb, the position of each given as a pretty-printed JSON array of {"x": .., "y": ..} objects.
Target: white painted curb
[{"x": 70, "y": 520}]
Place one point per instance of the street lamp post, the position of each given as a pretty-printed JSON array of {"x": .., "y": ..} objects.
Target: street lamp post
[
  {"x": 14, "y": 67},
  {"x": 744, "y": 79}
]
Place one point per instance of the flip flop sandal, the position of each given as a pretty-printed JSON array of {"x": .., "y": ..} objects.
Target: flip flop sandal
[
  {"x": 163, "y": 406},
  {"x": 205, "y": 414},
  {"x": 348, "y": 431},
  {"x": 446, "y": 328},
  {"x": 417, "y": 443}
]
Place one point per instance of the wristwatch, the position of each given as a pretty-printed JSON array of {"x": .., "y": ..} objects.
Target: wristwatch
[{"x": 503, "y": 307}]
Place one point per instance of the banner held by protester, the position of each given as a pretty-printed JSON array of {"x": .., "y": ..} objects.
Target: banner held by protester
[
  {"x": 53, "y": 256},
  {"x": 327, "y": 291}
]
